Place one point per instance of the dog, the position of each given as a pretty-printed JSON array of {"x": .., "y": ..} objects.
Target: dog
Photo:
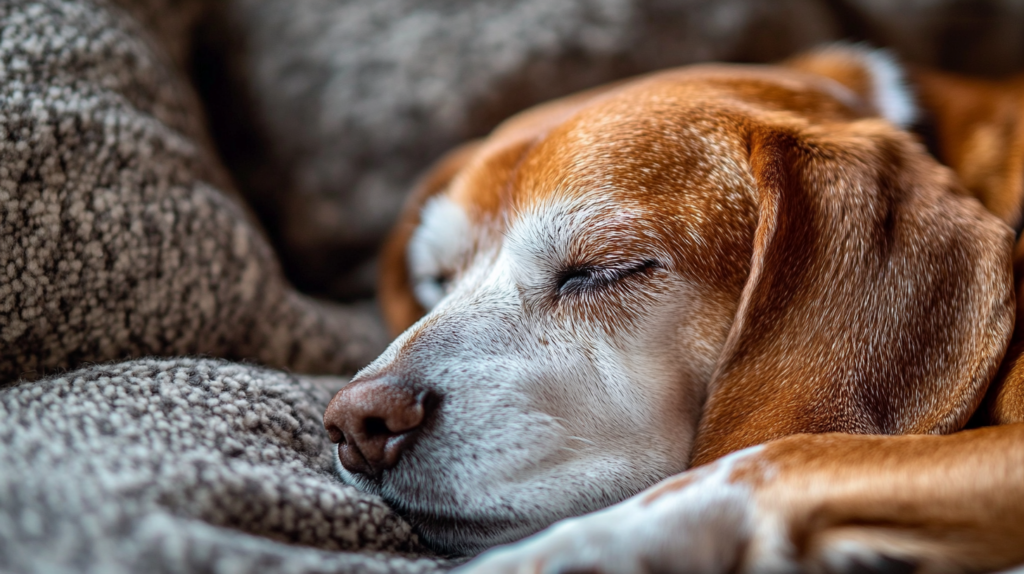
[{"x": 745, "y": 308}]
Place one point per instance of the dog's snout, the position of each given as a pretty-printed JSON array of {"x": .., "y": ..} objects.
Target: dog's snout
[{"x": 374, "y": 421}]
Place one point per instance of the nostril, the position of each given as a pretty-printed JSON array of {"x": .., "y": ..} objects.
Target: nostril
[
  {"x": 375, "y": 426},
  {"x": 429, "y": 401},
  {"x": 336, "y": 435},
  {"x": 373, "y": 421}
]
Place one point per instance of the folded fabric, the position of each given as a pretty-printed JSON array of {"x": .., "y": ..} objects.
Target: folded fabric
[
  {"x": 120, "y": 234},
  {"x": 184, "y": 465}
]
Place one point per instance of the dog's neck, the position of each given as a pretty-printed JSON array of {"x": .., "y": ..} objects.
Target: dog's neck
[{"x": 976, "y": 128}]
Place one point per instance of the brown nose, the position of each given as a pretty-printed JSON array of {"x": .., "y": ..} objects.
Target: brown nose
[{"x": 374, "y": 421}]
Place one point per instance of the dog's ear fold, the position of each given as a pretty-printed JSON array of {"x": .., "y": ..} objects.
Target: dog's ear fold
[
  {"x": 1004, "y": 402},
  {"x": 395, "y": 291},
  {"x": 877, "y": 301}
]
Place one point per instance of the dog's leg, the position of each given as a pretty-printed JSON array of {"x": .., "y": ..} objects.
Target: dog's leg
[{"x": 817, "y": 503}]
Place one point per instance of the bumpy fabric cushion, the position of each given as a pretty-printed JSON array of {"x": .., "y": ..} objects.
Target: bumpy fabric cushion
[
  {"x": 183, "y": 466},
  {"x": 119, "y": 236}
]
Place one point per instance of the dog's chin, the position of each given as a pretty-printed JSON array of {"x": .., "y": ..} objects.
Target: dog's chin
[
  {"x": 465, "y": 535},
  {"x": 446, "y": 531}
]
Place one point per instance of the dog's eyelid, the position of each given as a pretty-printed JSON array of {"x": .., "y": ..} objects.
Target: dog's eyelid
[{"x": 601, "y": 275}]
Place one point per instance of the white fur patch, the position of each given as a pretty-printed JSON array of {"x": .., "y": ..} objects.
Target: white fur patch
[
  {"x": 701, "y": 527},
  {"x": 442, "y": 237},
  {"x": 891, "y": 95}
]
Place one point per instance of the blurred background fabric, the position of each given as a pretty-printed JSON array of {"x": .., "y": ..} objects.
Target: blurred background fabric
[{"x": 325, "y": 111}]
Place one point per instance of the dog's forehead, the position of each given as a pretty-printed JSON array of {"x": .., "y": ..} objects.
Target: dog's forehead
[
  {"x": 676, "y": 138},
  {"x": 664, "y": 161},
  {"x": 656, "y": 150},
  {"x": 670, "y": 143}
]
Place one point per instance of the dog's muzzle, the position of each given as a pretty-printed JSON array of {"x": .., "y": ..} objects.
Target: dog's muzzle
[{"x": 374, "y": 421}]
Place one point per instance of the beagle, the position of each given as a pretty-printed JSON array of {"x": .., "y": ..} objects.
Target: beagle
[{"x": 754, "y": 272}]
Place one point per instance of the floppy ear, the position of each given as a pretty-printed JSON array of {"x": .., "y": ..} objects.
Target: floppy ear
[
  {"x": 394, "y": 290},
  {"x": 1004, "y": 402},
  {"x": 877, "y": 302}
]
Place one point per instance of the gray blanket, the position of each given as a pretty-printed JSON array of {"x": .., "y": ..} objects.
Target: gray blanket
[
  {"x": 182, "y": 465},
  {"x": 138, "y": 143},
  {"x": 121, "y": 236}
]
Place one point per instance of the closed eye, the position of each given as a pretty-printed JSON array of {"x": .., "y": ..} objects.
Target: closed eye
[{"x": 595, "y": 277}]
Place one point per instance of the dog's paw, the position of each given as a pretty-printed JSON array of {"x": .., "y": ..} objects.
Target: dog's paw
[
  {"x": 571, "y": 546},
  {"x": 699, "y": 521}
]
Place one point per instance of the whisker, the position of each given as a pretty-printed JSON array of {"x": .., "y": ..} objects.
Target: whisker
[{"x": 581, "y": 439}]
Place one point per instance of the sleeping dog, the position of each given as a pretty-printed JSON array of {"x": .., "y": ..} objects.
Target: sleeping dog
[{"x": 756, "y": 273}]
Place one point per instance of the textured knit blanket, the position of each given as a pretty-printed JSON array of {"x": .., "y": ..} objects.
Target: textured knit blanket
[
  {"x": 120, "y": 236},
  {"x": 156, "y": 157},
  {"x": 183, "y": 465}
]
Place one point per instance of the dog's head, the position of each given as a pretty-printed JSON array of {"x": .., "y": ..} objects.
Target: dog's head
[{"x": 617, "y": 285}]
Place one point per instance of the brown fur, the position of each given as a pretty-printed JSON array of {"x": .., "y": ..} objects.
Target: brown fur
[
  {"x": 869, "y": 293},
  {"x": 946, "y": 503}
]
